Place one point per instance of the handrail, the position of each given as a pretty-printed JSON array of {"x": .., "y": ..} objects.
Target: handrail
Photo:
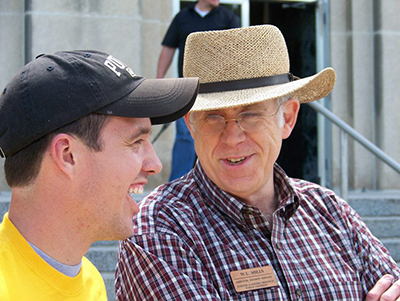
[
  {"x": 346, "y": 129},
  {"x": 353, "y": 133}
]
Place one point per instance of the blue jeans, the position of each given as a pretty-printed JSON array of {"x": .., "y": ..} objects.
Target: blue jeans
[{"x": 183, "y": 154}]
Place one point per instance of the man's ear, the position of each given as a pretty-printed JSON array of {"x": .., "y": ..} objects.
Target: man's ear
[
  {"x": 61, "y": 150},
  {"x": 291, "y": 110}
]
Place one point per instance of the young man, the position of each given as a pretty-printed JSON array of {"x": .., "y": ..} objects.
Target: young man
[
  {"x": 202, "y": 15},
  {"x": 236, "y": 227},
  {"x": 74, "y": 132}
]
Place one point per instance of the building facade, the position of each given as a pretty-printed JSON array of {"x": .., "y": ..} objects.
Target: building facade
[{"x": 363, "y": 38}]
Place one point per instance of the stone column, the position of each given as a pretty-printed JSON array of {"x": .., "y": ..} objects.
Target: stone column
[
  {"x": 364, "y": 52},
  {"x": 387, "y": 61}
]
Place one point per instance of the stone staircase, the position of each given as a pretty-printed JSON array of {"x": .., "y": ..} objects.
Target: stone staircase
[{"x": 380, "y": 211}]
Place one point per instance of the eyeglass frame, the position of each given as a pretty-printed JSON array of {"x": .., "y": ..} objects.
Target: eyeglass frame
[{"x": 237, "y": 120}]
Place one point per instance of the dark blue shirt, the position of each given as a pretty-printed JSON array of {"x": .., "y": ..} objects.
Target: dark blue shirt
[{"x": 188, "y": 21}]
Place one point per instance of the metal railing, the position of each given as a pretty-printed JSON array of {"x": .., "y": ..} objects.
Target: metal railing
[{"x": 346, "y": 130}]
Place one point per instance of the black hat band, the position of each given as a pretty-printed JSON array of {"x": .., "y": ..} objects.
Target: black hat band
[{"x": 247, "y": 83}]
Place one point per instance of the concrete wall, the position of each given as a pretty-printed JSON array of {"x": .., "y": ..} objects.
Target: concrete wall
[
  {"x": 364, "y": 53},
  {"x": 365, "y": 37},
  {"x": 364, "y": 41}
]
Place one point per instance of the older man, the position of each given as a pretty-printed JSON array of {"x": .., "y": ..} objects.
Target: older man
[
  {"x": 75, "y": 133},
  {"x": 237, "y": 227}
]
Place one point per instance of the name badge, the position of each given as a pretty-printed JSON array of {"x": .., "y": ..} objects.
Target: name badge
[{"x": 253, "y": 279}]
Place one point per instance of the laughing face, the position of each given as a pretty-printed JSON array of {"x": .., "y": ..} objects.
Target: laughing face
[
  {"x": 111, "y": 176},
  {"x": 240, "y": 162}
]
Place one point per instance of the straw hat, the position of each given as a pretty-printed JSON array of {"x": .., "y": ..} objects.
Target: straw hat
[{"x": 247, "y": 65}]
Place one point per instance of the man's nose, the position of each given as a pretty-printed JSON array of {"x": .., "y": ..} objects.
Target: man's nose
[
  {"x": 152, "y": 164},
  {"x": 233, "y": 132}
]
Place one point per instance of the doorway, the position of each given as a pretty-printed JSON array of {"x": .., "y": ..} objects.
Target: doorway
[{"x": 297, "y": 22}]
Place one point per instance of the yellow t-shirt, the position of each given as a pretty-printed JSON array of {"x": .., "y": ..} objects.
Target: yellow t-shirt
[{"x": 24, "y": 275}]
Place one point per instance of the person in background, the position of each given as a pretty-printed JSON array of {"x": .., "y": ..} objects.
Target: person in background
[
  {"x": 236, "y": 227},
  {"x": 202, "y": 15},
  {"x": 74, "y": 133}
]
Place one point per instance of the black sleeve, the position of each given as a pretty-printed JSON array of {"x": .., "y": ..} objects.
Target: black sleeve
[{"x": 171, "y": 38}]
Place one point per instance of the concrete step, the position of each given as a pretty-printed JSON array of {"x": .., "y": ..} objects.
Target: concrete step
[
  {"x": 393, "y": 245},
  {"x": 380, "y": 210},
  {"x": 375, "y": 203},
  {"x": 103, "y": 256},
  {"x": 383, "y": 227}
]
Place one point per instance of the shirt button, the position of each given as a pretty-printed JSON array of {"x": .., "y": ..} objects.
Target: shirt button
[
  {"x": 299, "y": 292},
  {"x": 278, "y": 246}
]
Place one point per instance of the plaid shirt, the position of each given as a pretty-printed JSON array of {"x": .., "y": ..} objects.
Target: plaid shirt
[{"x": 190, "y": 235}]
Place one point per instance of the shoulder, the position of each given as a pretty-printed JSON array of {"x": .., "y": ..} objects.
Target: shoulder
[
  {"x": 223, "y": 9},
  {"x": 315, "y": 195},
  {"x": 181, "y": 20},
  {"x": 228, "y": 16},
  {"x": 168, "y": 205},
  {"x": 321, "y": 210},
  {"x": 184, "y": 14},
  {"x": 306, "y": 188},
  {"x": 226, "y": 12},
  {"x": 318, "y": 202}
]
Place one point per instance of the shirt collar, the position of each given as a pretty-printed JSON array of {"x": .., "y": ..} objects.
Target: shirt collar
[
  {"x": 233, "y": 208},
  {"x": 288, "y": 198},
  {"x": 225, "y": 203}
]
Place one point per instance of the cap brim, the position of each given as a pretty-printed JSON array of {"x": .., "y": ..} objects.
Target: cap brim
[{"x": 162, "y": 100}]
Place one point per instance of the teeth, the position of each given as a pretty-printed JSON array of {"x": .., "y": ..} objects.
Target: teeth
[
  {"x": 136, "y": 190},
  {"x": 236, "y": 161}
]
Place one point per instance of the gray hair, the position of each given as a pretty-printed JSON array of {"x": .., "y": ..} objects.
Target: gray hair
[{"x": 280, "y": 101}]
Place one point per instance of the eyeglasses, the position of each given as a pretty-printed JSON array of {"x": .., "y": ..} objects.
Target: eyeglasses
[{"x": 249, "y": 121}]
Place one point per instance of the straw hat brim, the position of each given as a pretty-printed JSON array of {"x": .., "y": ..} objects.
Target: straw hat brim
[{"x": 305, "y": 90}]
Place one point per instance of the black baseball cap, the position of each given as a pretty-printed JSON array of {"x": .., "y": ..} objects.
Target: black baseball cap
[{"x": 56, "y": 89}]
